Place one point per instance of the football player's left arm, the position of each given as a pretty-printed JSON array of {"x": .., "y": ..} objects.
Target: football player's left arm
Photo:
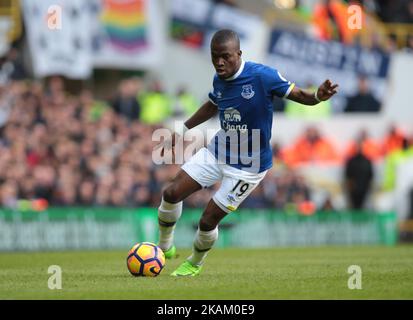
[{"x": 324, "y": 92}]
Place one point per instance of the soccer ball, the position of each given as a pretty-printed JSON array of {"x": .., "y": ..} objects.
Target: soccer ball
[{"x": 145, "y": 259}]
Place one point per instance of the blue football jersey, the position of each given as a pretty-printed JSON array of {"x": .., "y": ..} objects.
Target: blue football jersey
[{"x": 245, "y": 108}]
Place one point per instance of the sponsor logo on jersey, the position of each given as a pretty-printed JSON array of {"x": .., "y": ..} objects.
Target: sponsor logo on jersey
[{"x": 232, "y": 115}]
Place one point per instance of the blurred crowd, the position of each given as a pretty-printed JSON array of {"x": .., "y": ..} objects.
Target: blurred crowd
[
  {"x": 76, "y": 150},
  {"x": 80, "y": 151},
  {"x": 330, "y": 19},
  {"x": 71, "y": 150}
]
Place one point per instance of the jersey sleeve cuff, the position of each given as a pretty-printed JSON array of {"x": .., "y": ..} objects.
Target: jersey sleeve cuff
[
  {"x": 289, "y": 90},
  {"x": 212, "y": 101}
]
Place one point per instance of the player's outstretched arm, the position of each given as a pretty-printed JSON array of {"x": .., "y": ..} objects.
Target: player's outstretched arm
[
  {"x": 204, "y": 113},
  {"x": 324, "y": 92}
]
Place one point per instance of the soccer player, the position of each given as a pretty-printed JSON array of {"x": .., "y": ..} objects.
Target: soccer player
[{"x": 242, "y": 95}]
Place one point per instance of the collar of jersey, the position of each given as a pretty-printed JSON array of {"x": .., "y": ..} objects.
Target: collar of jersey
[{"x": 236, "y": 75}]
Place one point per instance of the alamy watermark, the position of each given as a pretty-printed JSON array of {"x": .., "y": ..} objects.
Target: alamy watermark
[
  {"x": 55, "y": 280},
  {"x": 355, "y": 19},
  {"x": 354, "y": 281},
  {"x": 235, "y": 146},
  {"x": 54, "y": 17}
]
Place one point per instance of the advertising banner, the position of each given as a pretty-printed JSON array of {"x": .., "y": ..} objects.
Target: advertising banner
[
  {"x": 104, "y": 228},
  {"x": 193, "y": 23},
  {"x": 59, "y": 38},
  {"x": 126, "y": 34},
  {"x": 305, "y": 60}
]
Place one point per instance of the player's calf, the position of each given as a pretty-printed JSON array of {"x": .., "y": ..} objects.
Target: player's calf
[{"x": 168, "y": 215}]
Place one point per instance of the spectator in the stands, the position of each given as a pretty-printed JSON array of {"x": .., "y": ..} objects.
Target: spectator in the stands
[
  {"x": 156, "y": 104},
  {"x": 393, "y": 140},
  {"x": 285, "y": 189},
  {"x": 409, "y": 44},
  {"x": 358, "y": 177},
  {"x": 393, "y": 160},
  {"x": 86, "y": 193},
  {"x": 312, "y": 147},
  {"x": 9, "y": 194},
  {"x": 5, "y": 104},
  {"x": 369, "y": 147},
  {"x": 391, "y": 45},
  {"x": 256, "y": 199},
  {"x": 364, "y": 100},
  {"x": 126, "y": 101},
  {"x": 55, "y": 89},
  {"x": 185, "y": 103},
  {"x": 12, "y": 68},
  {"x": 45, "y": 181}
]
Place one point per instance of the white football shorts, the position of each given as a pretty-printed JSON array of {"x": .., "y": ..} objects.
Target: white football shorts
[{"x": 236, "y": 184}]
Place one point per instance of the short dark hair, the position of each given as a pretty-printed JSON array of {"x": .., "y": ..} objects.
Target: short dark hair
[{"x": 224, "y": 35}]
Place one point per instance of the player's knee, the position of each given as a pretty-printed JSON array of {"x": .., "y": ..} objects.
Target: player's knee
[{"x": 171, "y": 194}]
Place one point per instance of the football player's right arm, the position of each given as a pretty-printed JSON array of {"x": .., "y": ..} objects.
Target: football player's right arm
[{"x": 204, "y": 113}]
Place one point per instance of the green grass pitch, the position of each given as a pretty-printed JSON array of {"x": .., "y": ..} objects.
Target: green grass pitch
[{"x": 277, "y": 273}]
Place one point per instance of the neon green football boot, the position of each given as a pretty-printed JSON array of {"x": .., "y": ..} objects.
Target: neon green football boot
[
  {"x": 170, "y": 253},
  {"x": 186, "y": 269}
]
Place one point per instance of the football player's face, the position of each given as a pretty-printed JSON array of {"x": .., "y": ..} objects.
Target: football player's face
[{"x": 226, "y": 58}]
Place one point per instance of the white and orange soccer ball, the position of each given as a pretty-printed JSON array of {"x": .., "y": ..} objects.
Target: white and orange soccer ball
[{"x": 145, "y": 259}]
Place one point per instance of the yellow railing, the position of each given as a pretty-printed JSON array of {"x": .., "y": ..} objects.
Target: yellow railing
[
  {"x": 401, "y": 31},
  {"x": 291, "y": 19}
]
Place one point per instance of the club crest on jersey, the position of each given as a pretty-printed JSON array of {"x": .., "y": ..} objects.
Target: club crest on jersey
[{"x": 247, "y": 92}]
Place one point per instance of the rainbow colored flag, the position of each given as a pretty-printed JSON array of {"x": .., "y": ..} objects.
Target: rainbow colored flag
[{"x": 125, "y": 23}]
